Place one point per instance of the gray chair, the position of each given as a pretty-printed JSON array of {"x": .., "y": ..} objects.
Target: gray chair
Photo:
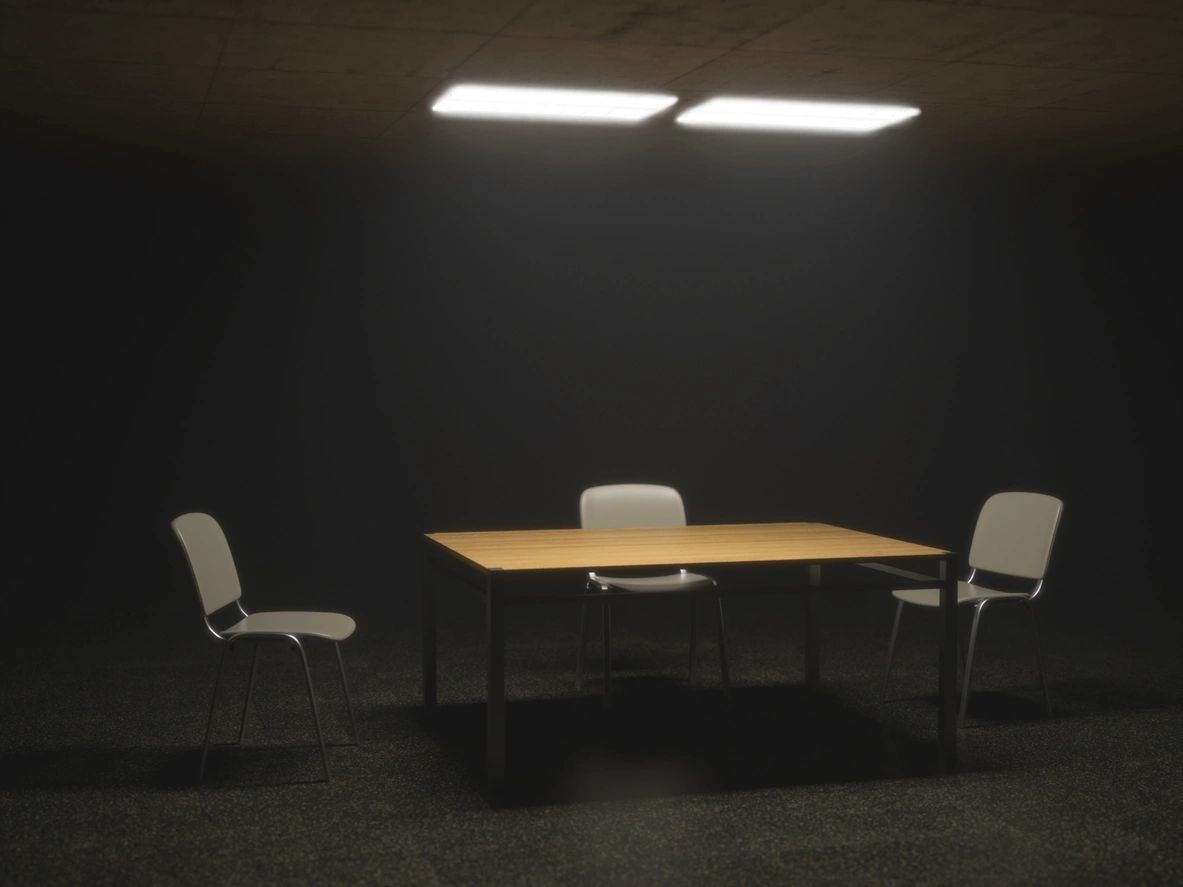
[
  {"x": 640, "y": 505},
  {"x": 218, "y": 587},
  {"x": 1013, "y": 537}
]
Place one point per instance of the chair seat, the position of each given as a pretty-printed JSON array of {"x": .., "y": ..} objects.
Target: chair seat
[
  {"x": 330, "y": 626},
  {"x": 966, "y": 594},
  {"x": 672, "y": 582}
]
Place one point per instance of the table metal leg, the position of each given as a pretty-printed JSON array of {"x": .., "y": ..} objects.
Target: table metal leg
[
  {"x": 724, "y": 668},
  {"x": 427, "y": 620},
  {"x": 947, "y": 687},
  {"x": 495, "y": 699},
  {"x": 582, "y": 651},
  {"x": 812, "y": 653},
  {"x": 606, "y": 628}
]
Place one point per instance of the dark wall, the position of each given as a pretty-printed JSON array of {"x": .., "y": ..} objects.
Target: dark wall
[{"x": 334, "y": 358}]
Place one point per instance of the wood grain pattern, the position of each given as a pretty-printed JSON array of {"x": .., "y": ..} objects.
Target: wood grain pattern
[{"x": 575, "y": 549}]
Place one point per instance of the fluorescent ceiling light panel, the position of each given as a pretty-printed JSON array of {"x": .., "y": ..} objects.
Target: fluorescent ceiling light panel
[
  {"x": 535, "y": 103},
  {"x": 841, "y": 117}
]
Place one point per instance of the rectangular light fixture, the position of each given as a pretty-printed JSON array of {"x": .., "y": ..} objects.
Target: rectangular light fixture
[
  {"x": 839, "y": 117},
  {"x": 537, "y": 103}
]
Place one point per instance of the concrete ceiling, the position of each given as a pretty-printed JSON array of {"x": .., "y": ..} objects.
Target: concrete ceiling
[{"x": 1031, "y": 76}]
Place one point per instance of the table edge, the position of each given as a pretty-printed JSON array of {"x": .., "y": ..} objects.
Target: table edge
[{"x": 932, "y": 551}]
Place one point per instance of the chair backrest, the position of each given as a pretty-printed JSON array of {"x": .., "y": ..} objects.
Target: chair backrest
[
  {"x": 1014, "y": 534},
  {"x": 210, "y": 560},
  {"x": 631, "y": 505}
]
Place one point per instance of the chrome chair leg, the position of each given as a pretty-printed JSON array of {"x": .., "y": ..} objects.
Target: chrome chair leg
[
  {"x": 969, "y": 661},
  {"x": 607, "y": 635},
  {"x": 209, "y": 722},
  {"x": 693, "y": 633},
  {"x": 1047, "y": 699},
  {"x": 895, "y": 630},
  {"x": 250, "y": 692},
  {"x": 320, "y": 736},
  {"x": 724, "y": 668},
  {"x": 582, "y": 651},
  {"x": 345, "y": 688}
]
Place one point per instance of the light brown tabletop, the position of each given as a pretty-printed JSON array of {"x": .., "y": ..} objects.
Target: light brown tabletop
[{"x": 575, "y": 549}]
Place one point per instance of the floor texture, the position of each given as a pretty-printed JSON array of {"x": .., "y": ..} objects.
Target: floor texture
[{"x": 672, "y": 785}]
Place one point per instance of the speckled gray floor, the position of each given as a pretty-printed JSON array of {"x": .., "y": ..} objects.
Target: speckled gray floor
[{"x": 672, "y": 785}]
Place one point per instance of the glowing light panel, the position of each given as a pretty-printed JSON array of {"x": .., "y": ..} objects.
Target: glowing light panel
[
  {"x": 837, "y": 117},
  {"x": 539, "y": 103}
]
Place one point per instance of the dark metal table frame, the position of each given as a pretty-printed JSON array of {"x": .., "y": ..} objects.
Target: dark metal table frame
[{"x": 495, "y": 588}]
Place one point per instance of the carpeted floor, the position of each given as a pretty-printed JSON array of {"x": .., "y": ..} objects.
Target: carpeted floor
[{"x": 673, "y": 784}]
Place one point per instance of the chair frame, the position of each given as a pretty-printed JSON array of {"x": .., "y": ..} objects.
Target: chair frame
[
  {"x": 294, "y": 642},
  {"x": 596, "y": 587},
  {"x": 229, "y": 640},
  {"x": 1020, "y": 598},
  {"x": 967, "y": 664}
]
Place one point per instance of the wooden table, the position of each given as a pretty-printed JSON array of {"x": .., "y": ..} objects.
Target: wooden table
[{"x": 490, "y": 561}]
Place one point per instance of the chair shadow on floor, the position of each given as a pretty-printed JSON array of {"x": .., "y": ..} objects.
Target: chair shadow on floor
[
  {"x": 659, "y": 739},
  {"x": 70, "y": 767},
  {"x": 1021, "y": 704},
  {"x": 232, "y": 767}
]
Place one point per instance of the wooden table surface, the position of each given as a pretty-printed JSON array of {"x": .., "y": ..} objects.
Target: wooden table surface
[{"x": 577, "y": 549}]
